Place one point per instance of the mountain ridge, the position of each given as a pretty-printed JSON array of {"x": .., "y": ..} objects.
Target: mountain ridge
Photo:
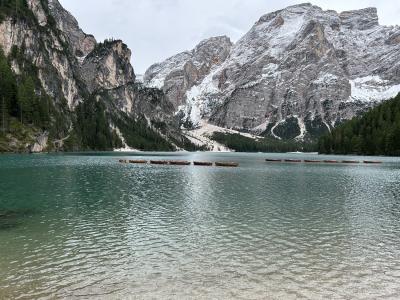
[{"x": 297, "y": 73}]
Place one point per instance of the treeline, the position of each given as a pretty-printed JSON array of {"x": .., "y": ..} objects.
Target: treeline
[
  {"x": 377, "y": 132},
  {"x": 241, "y": 143}
]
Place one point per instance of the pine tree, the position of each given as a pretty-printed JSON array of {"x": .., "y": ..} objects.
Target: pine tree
[
  {"x": 26, "y": 100},
  {"x": 8, "y": 91},
  {"x": 3, "y": 115}
]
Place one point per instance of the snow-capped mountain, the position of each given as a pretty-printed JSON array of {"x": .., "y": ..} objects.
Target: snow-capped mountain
[
  {"x": 297, "y": 73},
  {"x": 180, "y": 73}
]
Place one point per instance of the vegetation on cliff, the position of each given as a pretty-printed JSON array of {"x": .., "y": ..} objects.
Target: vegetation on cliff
[
  {"x": 377, "y": 132},
  {"x": 25, "y": 108},
  {"x": 14, "y": 8}
]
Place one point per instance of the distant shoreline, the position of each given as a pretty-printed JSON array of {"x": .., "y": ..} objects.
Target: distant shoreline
[{"x": 145, "y": 153}]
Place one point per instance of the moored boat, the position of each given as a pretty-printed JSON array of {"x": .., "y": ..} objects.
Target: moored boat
[
  {"x": 179, "y": 163},
  {"x": 273, "y": 160},
  {"x": 293, "y": 160},
  {"x": 331, "y": 161},
  {"x": 350, "y": 162},
  {"x": 203, "y": 163},
  {"x": 370, "y": 162},
  {"x": 139, "y": 161},
  {"x": 159, "y": 162},
  {"x": 123, "y": 161},
  {"x": 227, "y": 164},
  {"x": 312, "y": 161}
]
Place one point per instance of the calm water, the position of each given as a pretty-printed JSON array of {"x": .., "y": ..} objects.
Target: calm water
[{"x": 86, "y": 227}]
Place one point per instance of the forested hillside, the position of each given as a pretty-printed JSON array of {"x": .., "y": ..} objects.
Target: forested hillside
[
  {"x": 25, "y": 108},
  {"x": 375, "y": 133}
]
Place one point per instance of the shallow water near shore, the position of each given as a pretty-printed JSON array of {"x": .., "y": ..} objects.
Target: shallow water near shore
[{"x": 83, "y": 226}]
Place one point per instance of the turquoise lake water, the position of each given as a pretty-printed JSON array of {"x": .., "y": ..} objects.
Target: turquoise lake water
[{"x": 86, "y": 227}]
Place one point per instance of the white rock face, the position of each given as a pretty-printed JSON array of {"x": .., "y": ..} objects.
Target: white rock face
[
  {"x": 41, "y": 143},
  {"x": 54, "y": 68},
  {"x": 297, "y": 73},
  {"x": 179, "y": 73},
  {"x": 37, "y": 9}
]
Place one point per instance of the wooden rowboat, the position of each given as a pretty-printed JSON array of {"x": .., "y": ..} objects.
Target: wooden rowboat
[
  {"x": 293, "y": 160},
  {"x": 273, "y": 160},
  {"x": 203, "y": 163},
  {"x": 227, "y": 164},
  {"x": 350, "y": 162},
  {"x": 372, "y": 162},
  {"x": 312, "y": 161},
  {"x": 180, "y": 163},
  {"x": 138, "y": 161},
  {"x": 159, "y": 162}
]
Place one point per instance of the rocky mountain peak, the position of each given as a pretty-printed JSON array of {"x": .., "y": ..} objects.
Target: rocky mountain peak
[
  {"x": 181, "y": 72},
  {"x": 360, "y": 19},
  {"x": 217, "y": 41},
  {"x": 108, "y": 66},
  {"x": 82, "y": 44},
  {"x": 298, "y": 9},
  {"x": 298, "y": 72}
]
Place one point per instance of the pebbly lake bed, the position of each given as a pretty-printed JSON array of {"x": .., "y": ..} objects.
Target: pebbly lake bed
[{"x": 83, "y": 226}]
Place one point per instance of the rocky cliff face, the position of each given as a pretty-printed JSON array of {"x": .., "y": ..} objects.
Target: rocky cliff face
[
  {"x": 180, "y": 73},
  {"x": 81, "y": 43},
  {"x": 45, "y": 49},
  {"x": 297, "y": 73},
  {"x": 71, "y": 67},
  {"x": 107, "y": 66}
]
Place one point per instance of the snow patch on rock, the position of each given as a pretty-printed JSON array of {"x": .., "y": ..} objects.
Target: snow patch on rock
[
  {"x": 302, "y": 127},
  {"x": 198, "y": 104},
  {"x": 160, "y": 71},
  {"x": 372, "y": 89},
  {"x": 202, "y": 136},
  {"x": 275, "y": 126},
  {"x": 326, "y": 79}
]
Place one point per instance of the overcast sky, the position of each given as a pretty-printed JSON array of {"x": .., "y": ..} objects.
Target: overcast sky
[{"x": 157, "y": 29}]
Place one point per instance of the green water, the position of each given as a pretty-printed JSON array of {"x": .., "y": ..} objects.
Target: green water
[{"x": 87, "y": 227}]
